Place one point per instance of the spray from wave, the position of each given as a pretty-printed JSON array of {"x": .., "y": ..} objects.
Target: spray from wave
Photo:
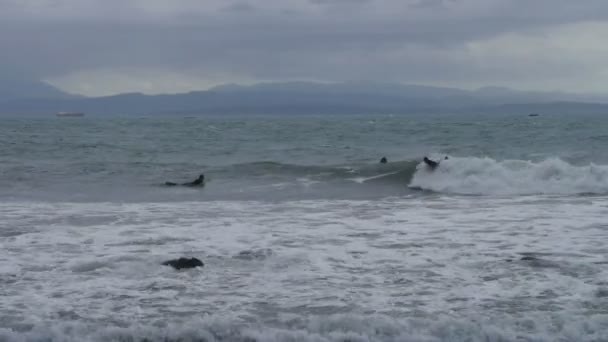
[{"x": 486, "y": 176}]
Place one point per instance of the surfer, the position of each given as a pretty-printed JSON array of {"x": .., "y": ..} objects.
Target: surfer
[
  {"x": 200, "y": 181},
  {"x": 383, "y": 160},
  {"x": 431, "y": 163}
]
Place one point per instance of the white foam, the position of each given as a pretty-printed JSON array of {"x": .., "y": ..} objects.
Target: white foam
[
  {"x": 334, "y": 328},
  {"x": 397, "y": 258},
  {"x": 362, "y": 180},
  {"x": 486, "y": 176}
]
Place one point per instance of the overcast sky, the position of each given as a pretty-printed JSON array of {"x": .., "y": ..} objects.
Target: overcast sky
[{"x": 99, "y": 47}]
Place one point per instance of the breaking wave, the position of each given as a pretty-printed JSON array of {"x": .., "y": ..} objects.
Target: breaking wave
[
  {"x": 267, "y": 180},
  {"x": 486, "y": 176}
]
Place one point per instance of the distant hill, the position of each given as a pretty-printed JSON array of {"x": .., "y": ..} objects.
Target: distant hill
[
  {"x": 19, "y": 90},
  {"x": 559, "y": 107},
  {"x": 314, "y": 98}
]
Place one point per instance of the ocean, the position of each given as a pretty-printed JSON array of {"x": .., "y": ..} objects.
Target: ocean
[{"x": 305, "y": 236}]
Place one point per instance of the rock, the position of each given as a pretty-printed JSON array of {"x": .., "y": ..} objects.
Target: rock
[{"x": 180, "y": 263}]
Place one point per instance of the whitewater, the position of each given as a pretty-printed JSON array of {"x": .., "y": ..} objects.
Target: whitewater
[
  {"x": 485, "y": 176},
  {"x": 305, "y": 236}
]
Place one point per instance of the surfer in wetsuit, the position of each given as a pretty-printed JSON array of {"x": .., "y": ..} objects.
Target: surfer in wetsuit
[
  {"x": 431, "y": 163},
  {"x": 383, "y": 160},
  {"x": 200, "y": 181}
]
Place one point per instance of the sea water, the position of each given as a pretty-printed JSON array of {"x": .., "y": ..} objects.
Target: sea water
[{"x": 305, "y": 236}]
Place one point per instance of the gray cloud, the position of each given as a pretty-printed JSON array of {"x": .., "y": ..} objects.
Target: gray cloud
[
  {"x": 455, "y": 42},
  {"x": 334, "y": 2},
  {"x": 430, "y": 3},
  {"x": 239, "y": 7}
]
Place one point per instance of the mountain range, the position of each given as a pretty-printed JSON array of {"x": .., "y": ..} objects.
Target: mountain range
[{"x": 301, "y": 98}]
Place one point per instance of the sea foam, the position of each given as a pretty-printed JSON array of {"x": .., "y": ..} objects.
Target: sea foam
[{"x": 486, "y": 176}]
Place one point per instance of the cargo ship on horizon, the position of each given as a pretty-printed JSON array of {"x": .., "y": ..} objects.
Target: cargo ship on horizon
[{"x": 70, "y": 114}]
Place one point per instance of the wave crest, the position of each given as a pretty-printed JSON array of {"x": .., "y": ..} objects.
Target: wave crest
[{"x": 486, "y": 176}]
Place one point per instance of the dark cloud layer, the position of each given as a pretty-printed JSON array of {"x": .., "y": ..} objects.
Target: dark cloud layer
[{"x": 534, "y": 43}]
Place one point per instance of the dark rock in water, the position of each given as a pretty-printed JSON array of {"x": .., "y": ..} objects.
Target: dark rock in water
[
  {"x": 184, "y": 263},
  {"x": 259, "y": 254}
]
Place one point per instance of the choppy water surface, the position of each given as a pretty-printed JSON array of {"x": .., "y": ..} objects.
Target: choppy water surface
[{"x": 304, "y": 235}]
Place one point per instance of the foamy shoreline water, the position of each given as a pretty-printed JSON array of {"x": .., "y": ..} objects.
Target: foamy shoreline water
[{"x": 448, "y": 268}]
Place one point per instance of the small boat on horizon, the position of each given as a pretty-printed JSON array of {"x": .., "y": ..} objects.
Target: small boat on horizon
[{"x": 70, "y": 114}]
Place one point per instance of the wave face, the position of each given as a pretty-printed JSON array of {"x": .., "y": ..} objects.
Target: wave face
[
  {"x": 486, "y": 176},
  {"x": 265, "y": 180},
  {"x": 395, "y": 171}
]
